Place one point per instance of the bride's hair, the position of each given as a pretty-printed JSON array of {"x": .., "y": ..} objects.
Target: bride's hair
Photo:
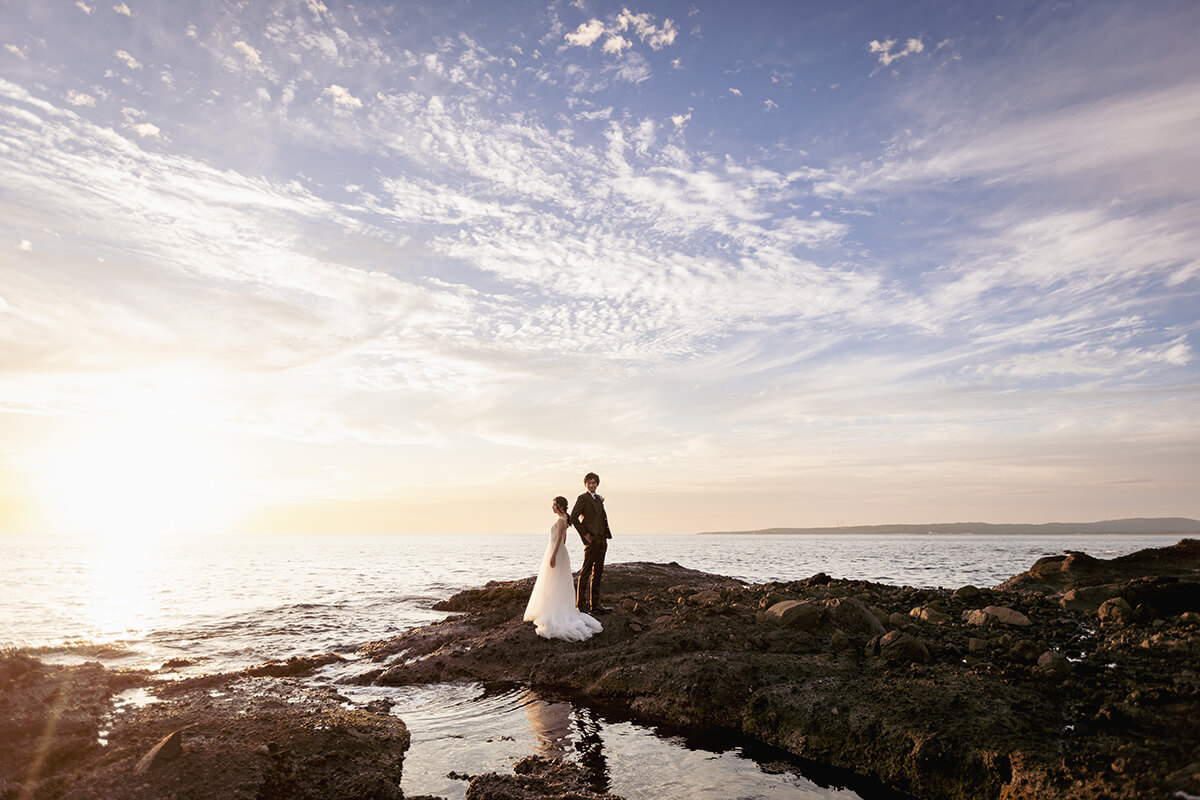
[{"x": 560, "y": 503}]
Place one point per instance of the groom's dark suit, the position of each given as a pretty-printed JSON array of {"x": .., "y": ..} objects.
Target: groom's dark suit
[{"x": 591, "y": 520}]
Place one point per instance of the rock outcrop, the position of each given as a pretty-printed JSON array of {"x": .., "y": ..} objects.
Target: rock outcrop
[
  {"x": 1057, "y": 574},
  {"x": 1037, "y": 699}
]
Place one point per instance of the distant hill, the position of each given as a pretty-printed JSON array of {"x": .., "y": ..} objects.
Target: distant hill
[{"x": 1138, "y": 525}]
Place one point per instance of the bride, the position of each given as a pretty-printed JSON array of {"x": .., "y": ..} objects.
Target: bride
[{"x": 552, "y": 604}]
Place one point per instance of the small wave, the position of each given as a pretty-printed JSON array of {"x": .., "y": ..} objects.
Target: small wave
[{"x": 88, "y": 649}]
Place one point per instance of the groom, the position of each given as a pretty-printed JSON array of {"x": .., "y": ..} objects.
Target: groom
[{"x": 590, "y": 519}]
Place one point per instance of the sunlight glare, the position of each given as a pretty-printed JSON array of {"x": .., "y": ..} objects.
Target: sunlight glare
[{"x": 134, "y": 481}]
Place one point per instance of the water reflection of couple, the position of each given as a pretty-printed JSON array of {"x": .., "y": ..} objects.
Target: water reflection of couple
[
  {"x": 551, "y": 724},
  {"x": 555, "y": 607}
]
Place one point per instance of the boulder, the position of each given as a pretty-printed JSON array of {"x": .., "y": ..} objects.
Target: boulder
[
  {"x": 880, "y": 615},
  {"x": 770, "y": 599},
  {"x": 1025, "y": 651},
  {"x": 930, "y": 613},
  {"x": 794, "y": 614},
  {"x": 903, "y": 647},
  {"x": 709, "y": 597},
  {"x": 996, "y": 614},
  {"x": 852, "y": 615},
  {"x": 1116, "y": 610},
  {"x": 967, "y": 593},
  {"x": 1008, "y": 616},
  {"x": 1053, "y": 663},
  {"x": 1088, "y": 598}
]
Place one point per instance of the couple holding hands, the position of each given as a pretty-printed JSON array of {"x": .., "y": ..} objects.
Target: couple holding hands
[{"x": 555, "y": 607}]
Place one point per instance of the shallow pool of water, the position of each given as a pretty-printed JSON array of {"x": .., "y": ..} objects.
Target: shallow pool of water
[{"x": 472, "y": 729}]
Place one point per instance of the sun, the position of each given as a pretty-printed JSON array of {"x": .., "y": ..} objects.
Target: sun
[{"x": 135, "y": 480}]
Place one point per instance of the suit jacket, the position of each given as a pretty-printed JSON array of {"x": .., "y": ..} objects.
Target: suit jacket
[{"x": 589, "y": 518}]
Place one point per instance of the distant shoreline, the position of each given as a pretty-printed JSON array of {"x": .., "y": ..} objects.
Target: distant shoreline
[{"x": 1140, "y": 526}]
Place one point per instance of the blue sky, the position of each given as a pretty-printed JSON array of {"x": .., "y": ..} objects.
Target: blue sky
[{"x": 418, "y": 267}]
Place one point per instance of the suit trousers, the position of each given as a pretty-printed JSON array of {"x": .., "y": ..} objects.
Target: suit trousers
[{"x": 590, "y": 573}]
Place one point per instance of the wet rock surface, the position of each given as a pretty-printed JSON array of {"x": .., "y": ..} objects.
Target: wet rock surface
[
  {"x": 534, "y": 778},
  {"x": 984, "y": 693},
  {"x": 229, "y": 737}
]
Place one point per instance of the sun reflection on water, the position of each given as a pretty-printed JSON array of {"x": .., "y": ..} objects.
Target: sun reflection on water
[{"x": 118, "y": 593}]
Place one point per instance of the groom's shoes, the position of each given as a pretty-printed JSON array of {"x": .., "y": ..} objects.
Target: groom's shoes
[
  {"x": 586, "y": 609},
  {"x": 601, "y": 610}
]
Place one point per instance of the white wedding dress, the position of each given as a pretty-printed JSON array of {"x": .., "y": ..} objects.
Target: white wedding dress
[{"x": 552, "y": 604}]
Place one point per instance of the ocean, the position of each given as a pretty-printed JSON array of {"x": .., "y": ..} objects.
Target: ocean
[{"x": 223, "y": 603}]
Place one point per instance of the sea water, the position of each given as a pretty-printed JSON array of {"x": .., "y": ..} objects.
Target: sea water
[{"x": 222, "y": 603}]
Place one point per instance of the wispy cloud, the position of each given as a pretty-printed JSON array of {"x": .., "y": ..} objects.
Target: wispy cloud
[
  {"x": 1084, "y": 360},
  {"x": 1140, "y": 141}
]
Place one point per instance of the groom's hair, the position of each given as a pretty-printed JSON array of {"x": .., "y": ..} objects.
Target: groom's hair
[{"x": 590, "y": 476}]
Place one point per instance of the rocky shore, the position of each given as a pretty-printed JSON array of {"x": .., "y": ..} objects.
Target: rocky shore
[{"x": 1077, "y": 679}]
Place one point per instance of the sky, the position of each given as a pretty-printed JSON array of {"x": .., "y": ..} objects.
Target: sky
[{"x": 305, "y": 266}]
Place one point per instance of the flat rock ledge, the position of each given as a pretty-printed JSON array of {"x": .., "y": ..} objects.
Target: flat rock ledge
[
  {"x": 68, "y": 732},
  {"x": 1011, "y": 692}
]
